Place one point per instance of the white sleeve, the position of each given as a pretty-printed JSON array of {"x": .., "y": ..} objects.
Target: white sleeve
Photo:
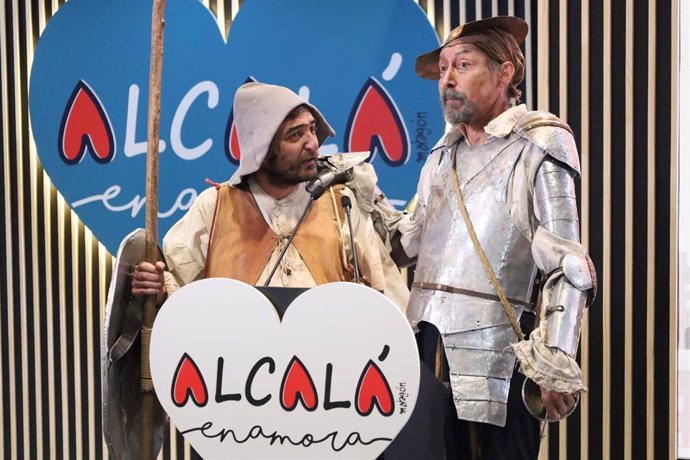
[
  {"x": 412, "y": 224},
  {"x": 375, "y": 264},
  {"x": 186, "y": 244}
]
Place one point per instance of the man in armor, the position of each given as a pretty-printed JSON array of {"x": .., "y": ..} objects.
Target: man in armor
[
  {"x": 240, "y": 228},
  {"x": 496, "y": 209}
]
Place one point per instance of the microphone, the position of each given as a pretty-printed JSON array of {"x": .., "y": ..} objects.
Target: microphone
[
  {"x": 324, "y": 179},
  {"x": 347, "y": 205},
  {"x": 292, "y": 235}
]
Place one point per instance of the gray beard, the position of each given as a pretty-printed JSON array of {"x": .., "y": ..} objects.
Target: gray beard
[{"x": 457, "y": 116}]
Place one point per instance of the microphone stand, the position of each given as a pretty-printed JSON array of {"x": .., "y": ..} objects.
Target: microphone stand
[
  {"x": 347, "y": 205},
  {"x": 316, "y": 192}
]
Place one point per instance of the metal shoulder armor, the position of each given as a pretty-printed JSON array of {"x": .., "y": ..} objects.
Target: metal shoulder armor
[{"x": 551, "y": 134}]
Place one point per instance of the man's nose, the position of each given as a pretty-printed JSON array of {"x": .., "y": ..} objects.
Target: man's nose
[
  {"x": 312, "y": 142},
  {"x": 447, "y": 79}
]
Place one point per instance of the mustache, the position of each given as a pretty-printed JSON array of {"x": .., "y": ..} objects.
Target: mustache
[
  {"x": 452, "y": 94},
  {"x": 306, "y": 156}
]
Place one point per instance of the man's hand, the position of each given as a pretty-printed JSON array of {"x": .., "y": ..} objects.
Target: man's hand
[
  {"x": 363, "y": 183},
  {"x": 558, "y": 405},
  {"x": 149, "y": 279}
]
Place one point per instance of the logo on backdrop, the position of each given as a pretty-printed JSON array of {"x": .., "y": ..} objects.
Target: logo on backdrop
[
  {"x": 89, "y": 90},
  {"x": 322, "y": 384}
]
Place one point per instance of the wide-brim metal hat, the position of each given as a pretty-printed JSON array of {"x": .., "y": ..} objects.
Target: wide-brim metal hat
[
  {"x": 259, "y": 110},
  {"x": 426, "y": 65}
]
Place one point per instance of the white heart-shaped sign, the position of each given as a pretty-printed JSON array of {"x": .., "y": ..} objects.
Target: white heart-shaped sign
[{"x": 337, "y": 378}]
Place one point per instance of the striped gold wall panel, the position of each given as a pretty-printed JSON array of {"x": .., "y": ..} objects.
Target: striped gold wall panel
[
  {"x": 674, "y": 315},
  {"x": 606, "y": 66}
]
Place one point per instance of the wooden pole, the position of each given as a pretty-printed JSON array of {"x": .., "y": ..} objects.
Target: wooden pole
[{"x": 151, "y": 252}]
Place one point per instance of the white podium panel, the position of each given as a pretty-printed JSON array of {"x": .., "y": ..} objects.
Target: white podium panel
[{"x": 337, "y": 378}]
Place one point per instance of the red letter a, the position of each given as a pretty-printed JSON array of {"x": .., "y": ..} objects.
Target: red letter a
[
  {"x": 297, "y": 385},
  {"x": 187, "y": 383},
  {"x": 373, "y": 390}
]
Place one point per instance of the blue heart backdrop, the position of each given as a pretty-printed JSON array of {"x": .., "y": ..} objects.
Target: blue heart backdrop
[{"x": 353, "y": 59}]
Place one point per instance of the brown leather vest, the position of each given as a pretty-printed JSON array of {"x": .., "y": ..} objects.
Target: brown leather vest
[{"x": 242, "y": 242}]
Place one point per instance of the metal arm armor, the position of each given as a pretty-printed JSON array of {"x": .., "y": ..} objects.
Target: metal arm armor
[{"x": 565, "y": 290}]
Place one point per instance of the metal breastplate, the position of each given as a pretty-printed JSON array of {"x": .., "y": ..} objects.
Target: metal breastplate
[{"x": 452, "y": 290}]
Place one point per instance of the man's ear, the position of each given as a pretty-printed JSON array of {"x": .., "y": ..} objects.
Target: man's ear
[{"x": 506, "y": 72}]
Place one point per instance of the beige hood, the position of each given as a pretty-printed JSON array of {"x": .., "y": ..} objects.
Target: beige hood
[{"x": 259, "y": 109}]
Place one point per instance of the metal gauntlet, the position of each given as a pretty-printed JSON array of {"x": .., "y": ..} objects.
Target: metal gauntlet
[{"x": 570, "y": 280}]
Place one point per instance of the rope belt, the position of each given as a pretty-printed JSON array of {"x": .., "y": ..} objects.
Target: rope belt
[{"x": 469, "y": 292}]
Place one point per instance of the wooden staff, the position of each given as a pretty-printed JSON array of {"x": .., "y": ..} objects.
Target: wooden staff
[{"x": 151, "y": 252}]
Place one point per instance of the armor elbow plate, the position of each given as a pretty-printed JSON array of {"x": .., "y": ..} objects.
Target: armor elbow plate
[{"x": 570, "y": 280}]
